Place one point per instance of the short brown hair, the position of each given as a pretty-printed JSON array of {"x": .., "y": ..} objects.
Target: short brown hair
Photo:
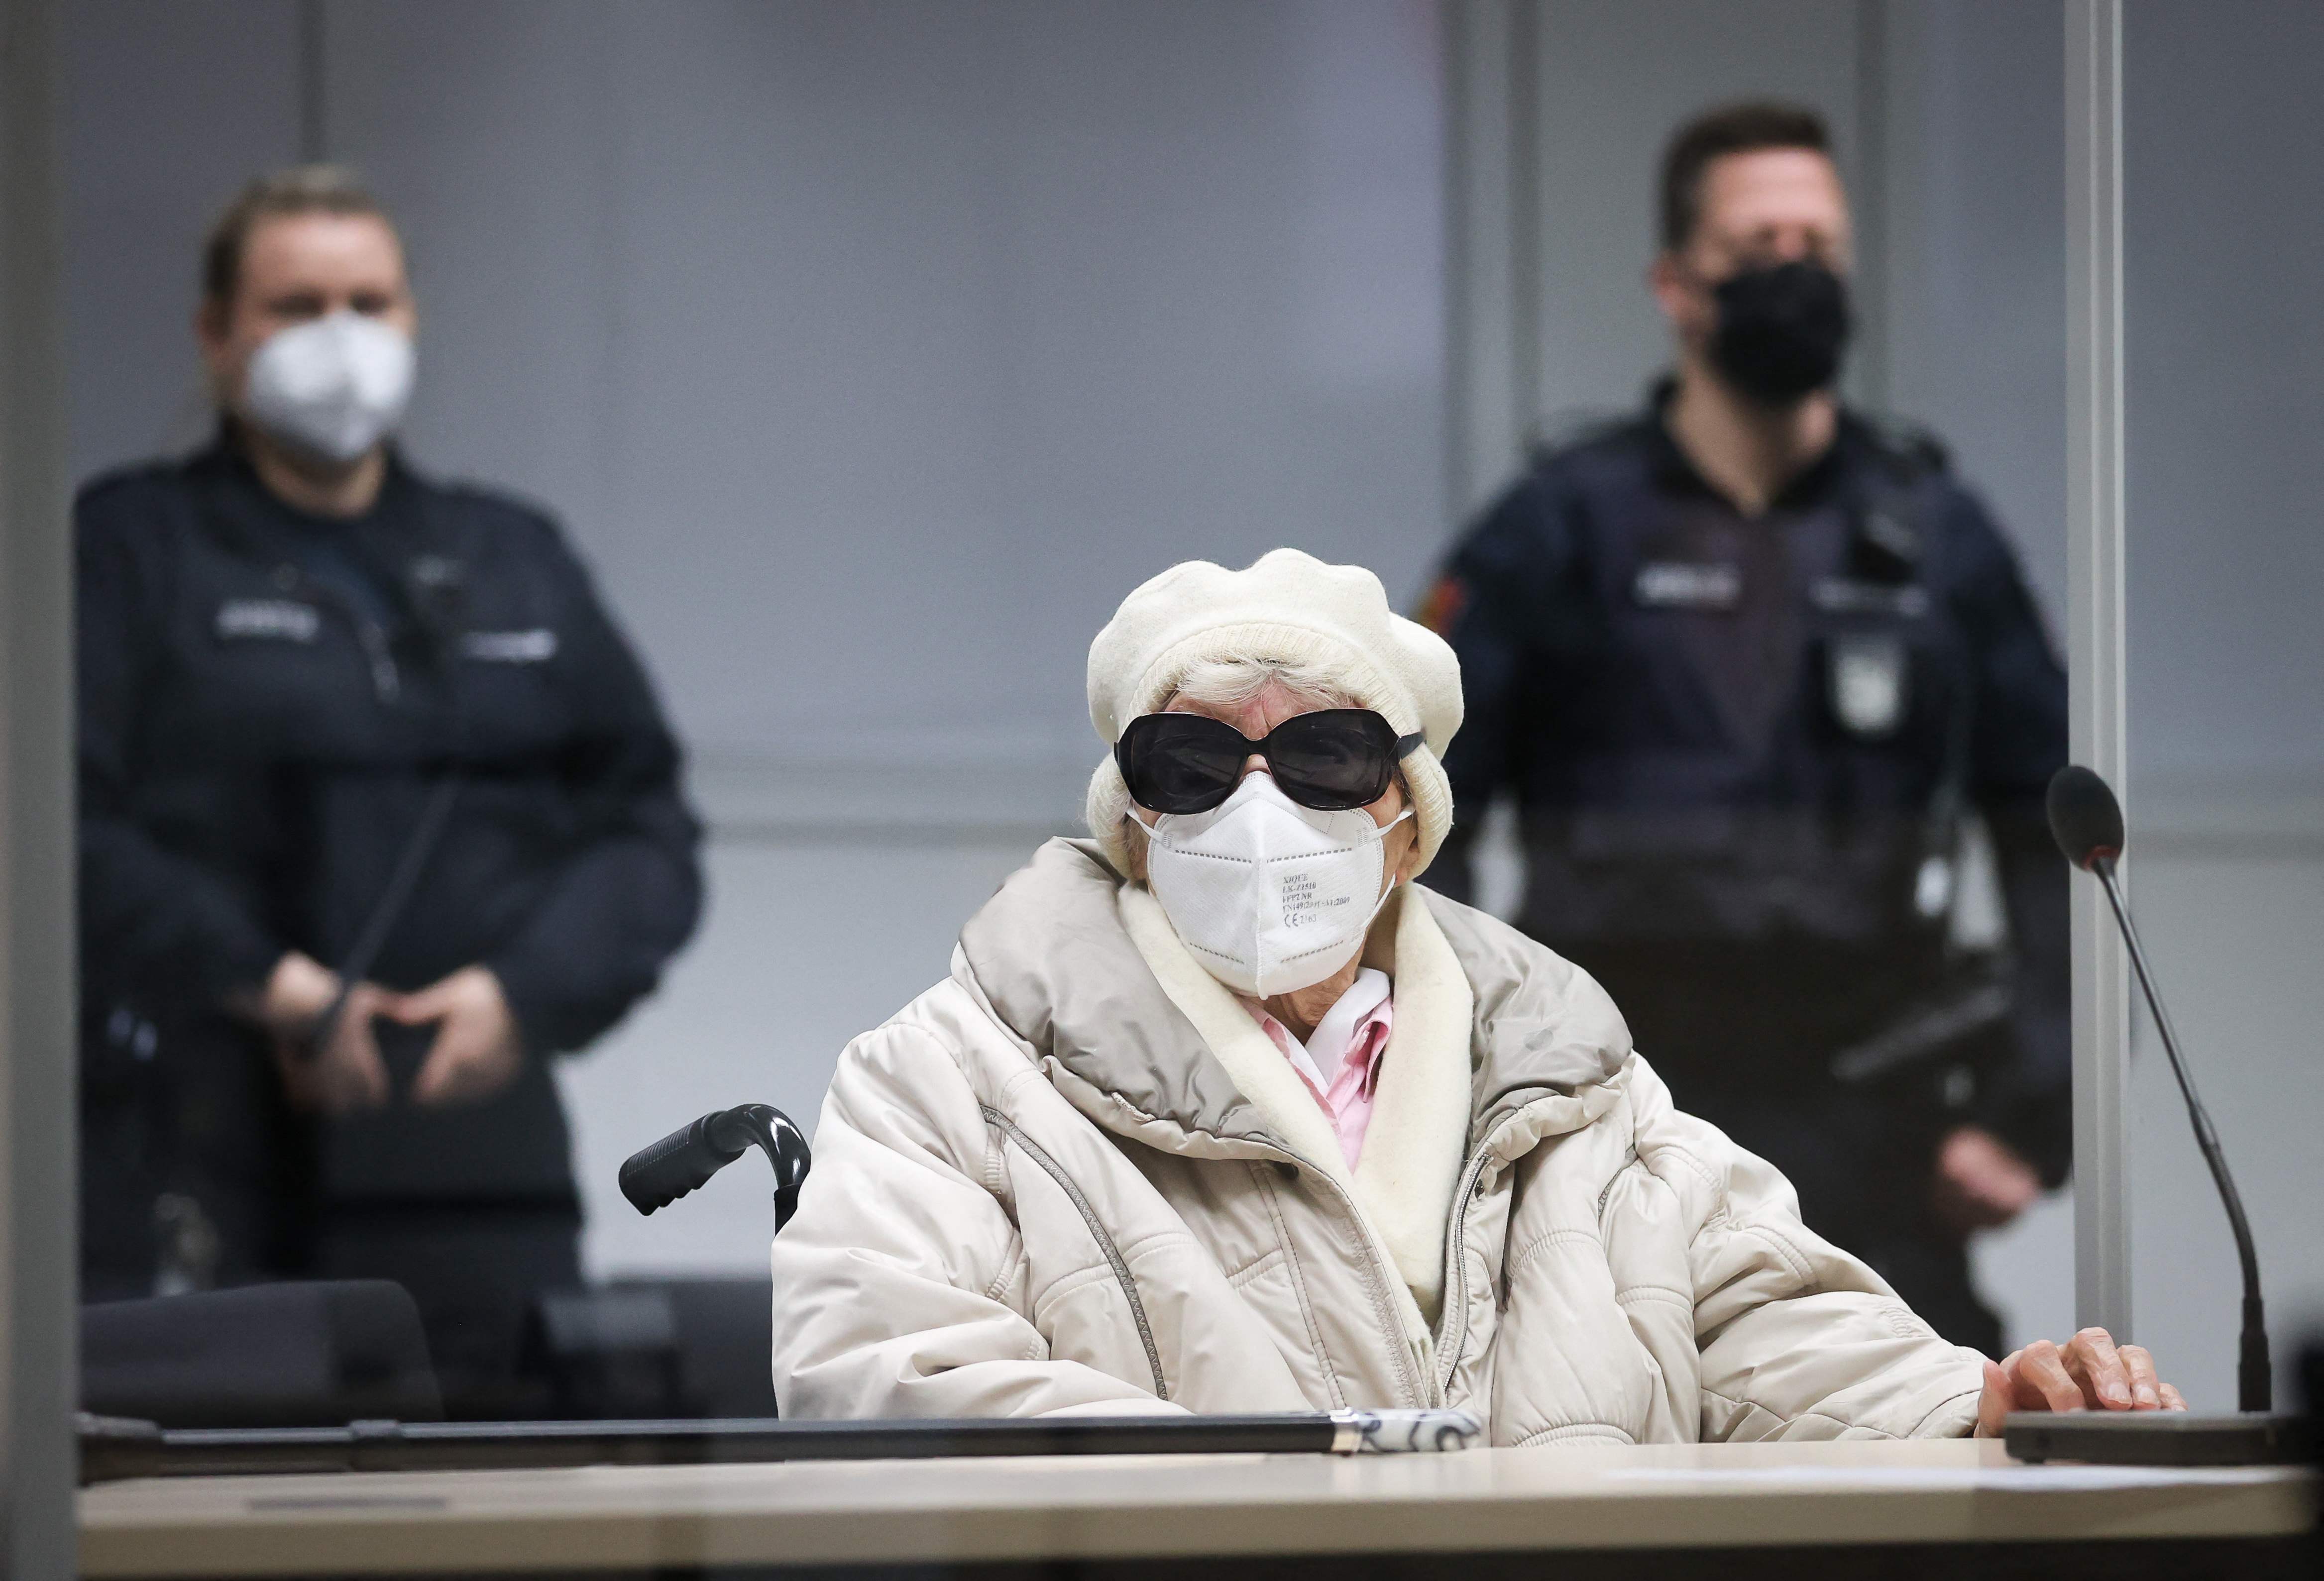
[
  {"x": 299, "y": 190},
  {"x": 1745, "y": 128}
]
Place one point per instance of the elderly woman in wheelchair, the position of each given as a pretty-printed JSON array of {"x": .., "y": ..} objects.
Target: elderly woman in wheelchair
[{"x": 1221, "y": 1110}]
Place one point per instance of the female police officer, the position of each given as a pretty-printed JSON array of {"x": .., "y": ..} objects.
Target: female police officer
[{"x": 322, "y": 698}]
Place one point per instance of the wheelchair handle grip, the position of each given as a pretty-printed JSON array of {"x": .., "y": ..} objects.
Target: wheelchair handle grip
[{"x": 656, "y": 1176}]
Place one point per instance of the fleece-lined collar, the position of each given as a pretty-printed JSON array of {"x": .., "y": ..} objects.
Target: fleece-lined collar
[
  {"x": 1050, "y": 955},
  {"x": 1086, "y": 971},
  {"x": 1411, "y": 1161}
]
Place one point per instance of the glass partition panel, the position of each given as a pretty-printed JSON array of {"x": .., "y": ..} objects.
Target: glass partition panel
[
  {"x": 798, "y": 389},
  {"x": 2227, "y": 713}
]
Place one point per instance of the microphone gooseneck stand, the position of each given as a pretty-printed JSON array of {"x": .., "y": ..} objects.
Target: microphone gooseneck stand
[
  {"x": 2254, "y": 1375},
  {"x": 2086, "y": 821}
]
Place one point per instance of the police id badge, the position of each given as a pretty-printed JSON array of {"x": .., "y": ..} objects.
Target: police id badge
[
  {"x": 279, "y": 619},
  {"x": 1687, "y": 584},
  {"x": 1867, "y": 681}
]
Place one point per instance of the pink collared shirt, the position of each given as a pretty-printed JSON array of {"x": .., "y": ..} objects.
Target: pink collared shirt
[{"x": 1340, "y": 1061}]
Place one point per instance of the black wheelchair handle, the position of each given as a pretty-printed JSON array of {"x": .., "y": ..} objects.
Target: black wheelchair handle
[{"x": 656, "y": 1176}]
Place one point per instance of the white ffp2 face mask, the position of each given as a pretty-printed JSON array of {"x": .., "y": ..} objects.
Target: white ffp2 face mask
[
  {"x": 335, "y": 386},
  {"x": 1269, "y": 896}
]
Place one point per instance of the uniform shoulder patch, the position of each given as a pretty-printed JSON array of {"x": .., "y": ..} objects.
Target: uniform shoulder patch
[
  {"x": 1441, "y": 606},
  {"x": 499, "y": 510},
  {"x": 132, "y": 502},
  {"x": 1907, "y": 446},
  {"x": 1556, "y": 436}
]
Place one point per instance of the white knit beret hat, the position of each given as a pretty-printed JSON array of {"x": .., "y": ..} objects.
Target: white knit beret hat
[{"x": 1293, "y": 608}]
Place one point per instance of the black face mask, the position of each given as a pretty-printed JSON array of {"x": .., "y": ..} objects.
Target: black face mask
[{"x": 1781, "y": 328}]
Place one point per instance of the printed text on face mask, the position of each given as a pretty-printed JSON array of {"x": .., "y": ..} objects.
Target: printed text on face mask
[{"x": 1297, "y": 894}]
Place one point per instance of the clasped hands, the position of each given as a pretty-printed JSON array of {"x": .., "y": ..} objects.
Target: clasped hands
[{"x": 478, "y": 1050}]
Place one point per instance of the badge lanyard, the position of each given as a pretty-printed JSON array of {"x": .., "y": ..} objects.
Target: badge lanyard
[
  {"x": 435, "y": 607},
  {"x": 438, "y": 621},
  {"x": 389, "y": 908}
]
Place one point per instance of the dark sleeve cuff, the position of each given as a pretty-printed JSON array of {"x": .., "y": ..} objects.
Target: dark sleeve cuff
[
  {"x": 2040, "y": 1129},
  {"x": 551, "y": 1016},
  {"x": 546, "y": 1026},
  {"x": 238, "y": 960}
]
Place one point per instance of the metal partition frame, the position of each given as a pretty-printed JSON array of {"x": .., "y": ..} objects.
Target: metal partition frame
[
  {"x": 1493, "y": 307},
  {"x": 2095, "y": 663},
  {"x": 37, "y": 1060}
]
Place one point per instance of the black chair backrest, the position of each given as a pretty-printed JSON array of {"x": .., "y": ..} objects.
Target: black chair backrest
[{"x": 294, "y": 1355}]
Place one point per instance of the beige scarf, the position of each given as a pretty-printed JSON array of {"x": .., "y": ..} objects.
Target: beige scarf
[{"x": 1410, "y": 1166}]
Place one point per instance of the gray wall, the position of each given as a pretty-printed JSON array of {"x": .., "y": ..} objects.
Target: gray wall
[
  {"x": 1973, "y": 269},
  {"x": 166, "y": 110},
  {"x": 843, "y": 335},
  {"x": 2224, "y": 249},
  {"x": 886, "y": 325}
]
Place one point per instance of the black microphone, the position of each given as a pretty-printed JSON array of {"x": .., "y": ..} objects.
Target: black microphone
[{"x": 2086, "y": 821}]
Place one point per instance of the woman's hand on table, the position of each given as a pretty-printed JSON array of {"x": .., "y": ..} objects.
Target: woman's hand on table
[{"x": 2088, "y": 1372}]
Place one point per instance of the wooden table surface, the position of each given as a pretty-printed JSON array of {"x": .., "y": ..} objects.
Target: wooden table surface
[{"x": 1157, "y": 1505}]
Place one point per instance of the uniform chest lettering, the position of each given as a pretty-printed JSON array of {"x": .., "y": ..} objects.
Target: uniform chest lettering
[
  {"x": 1842, "y": 596},
  {"x": 1688, "y": 584},
  {"x": 536, "y": 646},
  {"x": 278, "y": 620}
]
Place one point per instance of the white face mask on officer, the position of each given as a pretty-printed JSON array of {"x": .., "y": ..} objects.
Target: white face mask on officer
[
  {"x": 1269, "y": 896},
  {"x": 334, "y": 386}
]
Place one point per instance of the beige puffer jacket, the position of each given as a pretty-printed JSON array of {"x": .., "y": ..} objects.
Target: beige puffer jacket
[{"x": 1076, "y": 1175}]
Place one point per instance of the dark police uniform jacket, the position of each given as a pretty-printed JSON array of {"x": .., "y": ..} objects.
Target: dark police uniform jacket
[
  {"x": 1739, "y": 751},
  {"x": 267, "y": 702}
]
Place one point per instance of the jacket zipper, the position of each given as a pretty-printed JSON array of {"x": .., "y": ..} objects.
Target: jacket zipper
[
  {"x": 1455, "y": 1338},
  {"x": 1056, "y": 1171},
  {"x": 386, "y": 682},
  {"x": 1417, "y": 1370}
]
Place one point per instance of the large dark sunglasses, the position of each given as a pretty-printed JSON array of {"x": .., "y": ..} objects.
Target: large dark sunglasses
[{"x": 1331, "y": 759}]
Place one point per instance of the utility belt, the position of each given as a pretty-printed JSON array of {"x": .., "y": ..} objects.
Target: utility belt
[
  {"x": 1786, "y": 880},
  {"x": 1904, "y": 1017}
]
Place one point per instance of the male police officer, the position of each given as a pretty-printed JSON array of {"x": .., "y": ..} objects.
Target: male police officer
[
  {"x": 335, "y": 713},
  {"x": 1746, "y": 661}
]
